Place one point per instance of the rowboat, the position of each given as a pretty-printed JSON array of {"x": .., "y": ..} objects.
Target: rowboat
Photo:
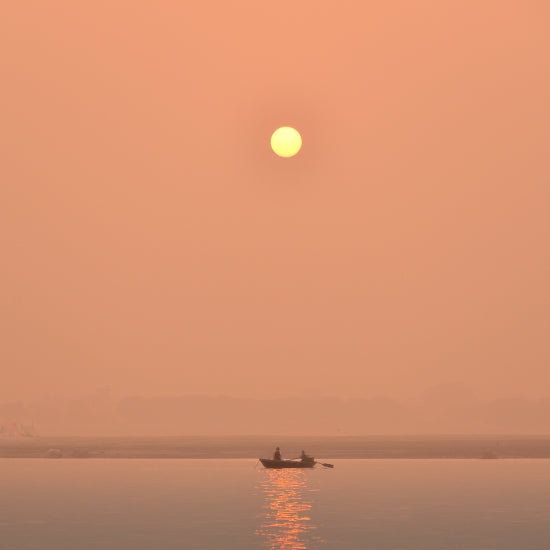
[{"x": 269, "y": 463}]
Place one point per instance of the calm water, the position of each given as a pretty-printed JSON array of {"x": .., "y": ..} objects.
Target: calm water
[{"x": 234, "y": 504}]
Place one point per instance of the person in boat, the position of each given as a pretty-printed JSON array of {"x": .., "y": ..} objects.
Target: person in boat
[
  {"x": 277, "y": 454},
  {"x": 306, "y": 458}
]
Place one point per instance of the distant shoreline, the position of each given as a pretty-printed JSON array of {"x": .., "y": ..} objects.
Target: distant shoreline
[{"x": 421, "y": 447}]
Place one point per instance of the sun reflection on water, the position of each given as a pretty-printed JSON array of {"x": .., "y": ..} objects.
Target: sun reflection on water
[{"x": 286, "y": 521}]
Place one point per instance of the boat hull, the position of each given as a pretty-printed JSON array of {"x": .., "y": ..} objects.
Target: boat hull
[{"x": 280, "y": 464}]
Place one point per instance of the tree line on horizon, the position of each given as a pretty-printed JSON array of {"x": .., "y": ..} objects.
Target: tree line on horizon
[{"x": 97, "y": 414}]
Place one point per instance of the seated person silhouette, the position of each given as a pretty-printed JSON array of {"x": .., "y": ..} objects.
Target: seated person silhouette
[
  {"x": 277, "y": 454},
  {"x": 306, "y": 458}
]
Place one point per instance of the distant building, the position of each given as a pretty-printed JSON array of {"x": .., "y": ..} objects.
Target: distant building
[{"x": 15, "y": 429}]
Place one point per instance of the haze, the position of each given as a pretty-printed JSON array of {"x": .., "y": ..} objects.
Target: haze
[{"x": 152, "y": 243}]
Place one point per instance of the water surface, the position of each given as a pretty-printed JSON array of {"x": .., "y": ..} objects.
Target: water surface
[{"x": 85, "y": 504}]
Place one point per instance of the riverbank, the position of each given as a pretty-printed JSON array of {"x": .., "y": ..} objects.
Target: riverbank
[{"x": 254, "y": 446}]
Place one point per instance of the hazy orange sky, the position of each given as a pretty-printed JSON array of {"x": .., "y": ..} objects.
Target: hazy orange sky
[{"x": 152, "y": 242}]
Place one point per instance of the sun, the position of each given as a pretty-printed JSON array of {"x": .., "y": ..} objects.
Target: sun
[{"x": 286, "y": 141}]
